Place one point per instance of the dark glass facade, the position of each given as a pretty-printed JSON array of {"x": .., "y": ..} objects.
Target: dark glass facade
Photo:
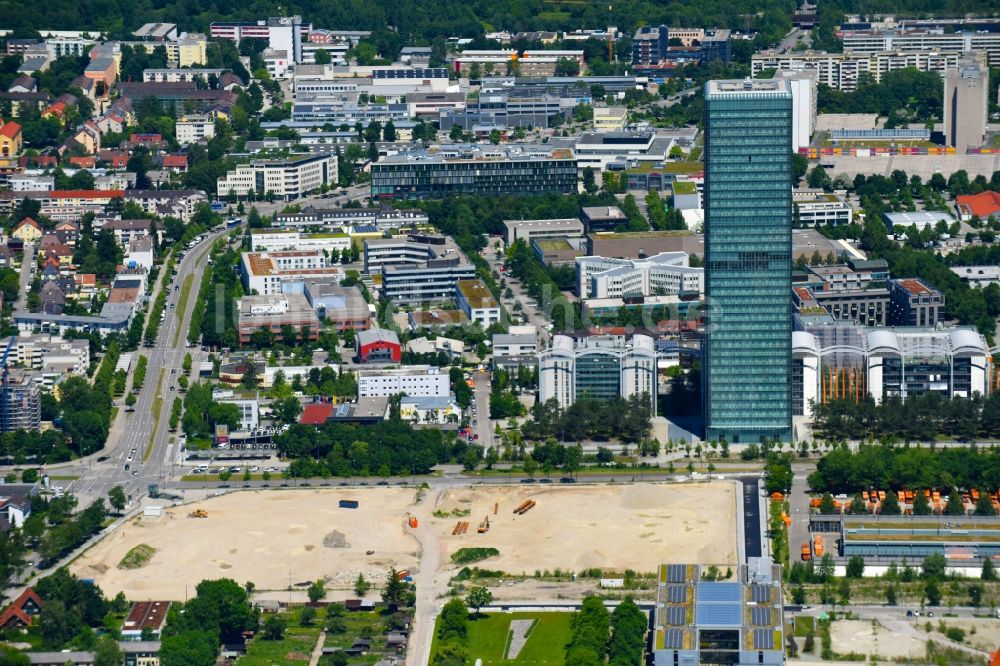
[
  {"x": 748, "y": 242},
  {"x": 427, "y": 178}
]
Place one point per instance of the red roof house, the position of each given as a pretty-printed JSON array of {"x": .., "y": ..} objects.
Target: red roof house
[
  {"x": 983, "y": 204},
  {"x": 23, "y": 611},
  {"x": 316, "y": 413}
]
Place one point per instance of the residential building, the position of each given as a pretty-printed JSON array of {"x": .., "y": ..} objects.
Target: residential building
[
  {"x": 178, "y": 99},
  {"x": 287, "y": 179},
  {"x": 748, "y": 244},
  {"x": 380, "y": 218},
  {"x": 377, "y": 345},
  {"x": 449, "y": 170},
  {"x": 544, "y": 62},
  {"x": 849, "y": 362},
  {"x": 601, "y": 367},
  {"x": 111, "y": 321},
  {"x": 140, "y": 254},
  {"x": 195, "y": 128},
  {"x": 271, "y": 273},
  {"x": 649, "y": 44},
  {"x": 141, "y": 653},
  {"x": 476, "y": 301},
  {"x": 341, "y": 307},
  {"x": 432, "y": 282},
  {"x": 922, "y": 41},
  {"x": 275, "y": 313},
  {"x": 188, "y": 50},
  {"x": 148, "y": 615},
  {"x": 662, "y": 274},
  {"x": 435, "y": 410},
  {"x": 20, "y": 402},
  {"x": 416, "y": 381},
  {"x": 126, "y": 231},
  {"x": 23, "y": 611},
  {"x": 738, "y": 621},
  {"x": 843, "y": 70},
  {"x": 11, "y": 140},
  {"x": 531, "y": 230},
  {"x": 435, "y": 319},
  {"x": 27, "y": 230},
  {"x": 486, "y": 62},
  {"x": 966, "y": 100},
  {"x": 50, "y": 354},
  {"x": 912, "y": 302},
  {"x": 173, "y": 75}
]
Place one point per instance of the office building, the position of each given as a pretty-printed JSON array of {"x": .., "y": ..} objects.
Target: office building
[
  {"x": 845, "y": 361},
  {"x": 843, "y": 70},
  {"x": 274, "y": 273},
  {"x": 416, "y": 381},
  {"x": 812, "y": 208},
  {"x": 649, "y": 44},
  {"x": 485, "y": 62},
  {"x": 603, "y": 218},
  {"x": 532, "y": 230},
  {"x": 475, "y": 300},
  {"x": 511, "y": 108},
  {"x": 518, "y": 347},
  {"x": 380, "y": 218},
  {"x": 643, "y": 244},
  {"x": 377, "y": 345},
  {"x": 194, "y": 128},
  {"x": 805, "y": 89},
  {"x": 966, "y": 100},
  {"x": 449, "y": 170},
  {"x": 247, "y": 405},
  {"x": 275, "y": 313},
  {"x": 601, "y": 367},
  {"x": 856, "y": 291},
  {"x": 912, "y": 302},
  {"x": 598, "y": 150},
  {"x": 662, "y": 274},
  {"x": 340, "y": 307},
  {"x": 287, "y": 179},
  {"x": 277, "y": 239},
  {"x": 748, "y": 246},
  {"x": 978, "y": 276},
  {"x": 610, "y": 118},
  {"x": 430, "y": 282},
  {"x": 382, "y": 252},
  {"x": 735, "y": 622},
  {"x": 21, "y": 401}
]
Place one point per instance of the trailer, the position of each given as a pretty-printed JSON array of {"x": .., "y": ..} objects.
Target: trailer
[{"x": 348, "y": 504}]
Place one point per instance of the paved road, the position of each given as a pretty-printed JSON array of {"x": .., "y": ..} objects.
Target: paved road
[
  {"x": 24, "y": 279},
  {"x": 129, "y": 442},
  {"x": 798, "y": 501},
  {"x": 481, "y": 423}
]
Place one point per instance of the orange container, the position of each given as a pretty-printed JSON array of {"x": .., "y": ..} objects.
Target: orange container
[{"x": 413, "y": 522}]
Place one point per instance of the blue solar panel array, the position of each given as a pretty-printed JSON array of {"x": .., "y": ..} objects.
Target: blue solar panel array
[
  {"x": 717, "y": 614},
  {"x": 366, "y": 228},
  {"x": 710, "y": 591}
]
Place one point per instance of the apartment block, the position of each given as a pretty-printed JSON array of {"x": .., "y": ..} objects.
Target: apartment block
[{"x": 287, "y": 179}]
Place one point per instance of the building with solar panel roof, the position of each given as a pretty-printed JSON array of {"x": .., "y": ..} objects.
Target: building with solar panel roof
[{"x": 731, "y": 622}]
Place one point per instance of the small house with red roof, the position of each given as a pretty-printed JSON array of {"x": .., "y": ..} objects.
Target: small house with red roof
[
  {"x": 11, "y": 140},
  {"x": 22, "y": 613},
  {"x": 316, "y": 413},
  {"x": 175, "y": 163},
  {"x": 981, "y": 205}
]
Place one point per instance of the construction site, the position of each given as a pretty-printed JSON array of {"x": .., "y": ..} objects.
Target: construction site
[{"x": 610, "y": 527}]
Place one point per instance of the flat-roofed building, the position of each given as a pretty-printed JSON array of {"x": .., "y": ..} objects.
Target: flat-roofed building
[
  {"x": 417, "y": 381},
  {"x": 477, "y": 302},
  {"x": 275, "y": 313},
  {"x": 272, "y": 273},
  {"x": 912, "y": 302},
  {"x": 662, "y": 274},
  {"x": 287, "y": 179},
  {"x": 430, "y": 282},
  {"x": 530, "y": 230},
  {"x": 341, "y": 307},
  {"x": 815, "y": 208}
]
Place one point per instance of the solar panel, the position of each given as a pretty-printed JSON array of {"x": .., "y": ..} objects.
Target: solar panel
[
  {"x": 673, "y": 639},
  {"x": 760, "y": 593},
  {"x": 719, "y": 592},
  {"x": 676, "y": 616},
  {"x": 760, "y": 616},
  {"x": 763, "y": 639},
  {"x": 677, "y": 594},
  {"x": 719, "y": 614},
  {"x": 676, "y": 573}
]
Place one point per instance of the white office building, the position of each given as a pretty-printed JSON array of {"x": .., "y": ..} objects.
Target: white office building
[
  {"x": 247, "y": 404},
  {"x": 192, "y": 129},
  {"x": 662, "y": 274},
  {"x": 816, "y": 208},
  {"x": 531, "y": 230},
  {"x": 277, "y": 240},
  {"x": 287, "y": 179},
  {"x": 601, "y": 367},
  {"x": 273, "y": 273},
  {"x": 416, "y": 381},
  {"x": 805, "y": 85}
]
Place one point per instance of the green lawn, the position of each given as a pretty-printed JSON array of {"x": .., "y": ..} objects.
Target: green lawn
[
  {"x": 298, "y": 641},
  {"x": 546, "y": 642}
]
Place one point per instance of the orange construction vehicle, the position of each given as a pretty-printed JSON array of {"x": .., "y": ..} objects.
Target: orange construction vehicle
[
  {"x": 818, "y": 545},
  {"x": 806, "y": 554}
]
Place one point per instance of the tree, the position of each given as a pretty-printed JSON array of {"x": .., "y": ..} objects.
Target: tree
[
  {"x": 845, "y": 591},
  {"x": 858, "y": 505},
  {"x": 307, "y": 615},
  {"x": 818, "y": 177},
  {"x": 495, "y": 137},
  {"x": 189, "y": 648},
  {"x": 395, "y": 590},
  {"x": 826, "y": 505},
  {"x": 628, "y": 631},
  {"x": 454, "y": 621},
  {"x": 108, "y": 653},
  {"x": 116, "y": 498},
  {"x": 317, "y": 590},
  {"x": 984, "y": 506},
  {"x": 274, "y": 628},
  {"x": 955, "y": 506},
  {"x": 361, "y": 585},
  {"x": 389, "y": 131},
  {"x": 478, "y": 597},
  {"x": 890, "y": 505},
  {"x": 826, "y": 568},
  {"x": 855, "y": 567},
  {"x": 589, "y": 183},
  {"x": 921, "y": 507},
  {"x": 989, "y": 572},
  {"x": 932, "y": 592},
  {"x": 890, "y": 594},
  {"x": 322, "y": 57},
  {"x": 934, "y": 567}
]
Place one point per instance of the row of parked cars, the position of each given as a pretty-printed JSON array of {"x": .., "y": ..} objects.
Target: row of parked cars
[{"x": 235, "y": 469}]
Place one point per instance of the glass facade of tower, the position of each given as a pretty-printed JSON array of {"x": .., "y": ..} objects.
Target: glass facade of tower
[{"x": 748, "y": 246}]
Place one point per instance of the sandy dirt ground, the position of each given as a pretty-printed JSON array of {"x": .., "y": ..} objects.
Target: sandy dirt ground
[
  {"x": 614, "y": 528},
  {"x": 262, "y": 536},
  {"x": 276, "y": 537},
  {"x": 987, "y": 636},
  {"x": 859, "y": 636}
]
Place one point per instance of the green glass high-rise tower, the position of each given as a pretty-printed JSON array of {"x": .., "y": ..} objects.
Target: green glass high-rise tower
[{"x": 748, "y": 247}]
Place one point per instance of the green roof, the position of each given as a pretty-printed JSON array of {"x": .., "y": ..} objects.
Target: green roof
[
  {"x": 684, "y": 187},
  {"x": 669, "y": 167}
]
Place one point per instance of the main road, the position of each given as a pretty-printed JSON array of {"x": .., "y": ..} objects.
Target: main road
[{"x": 139, "y": 449}]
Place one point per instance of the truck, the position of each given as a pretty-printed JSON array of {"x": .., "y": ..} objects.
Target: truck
[
  {"x": 818, "y": 546},
  {"x": 806, "y": 553}
]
